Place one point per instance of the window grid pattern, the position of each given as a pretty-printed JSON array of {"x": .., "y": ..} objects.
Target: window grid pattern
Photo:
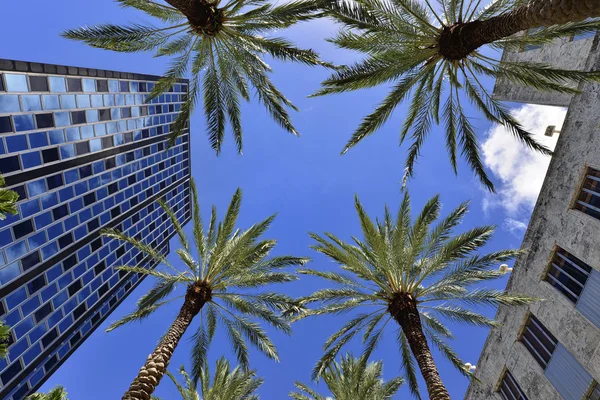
[
  {"x": 538, "y": 340},
  {"x": 93, "y": 279},
  {"x": 509, "y": 388},
  {"x": 85, "y": 123},
  {"x": 588, "y": 200},
  {"x": 82, "y": 152},
  {"x": 56, "y": 213},
  {"x": 162, "y": 234},
  {"x": 568, "y": 274}
]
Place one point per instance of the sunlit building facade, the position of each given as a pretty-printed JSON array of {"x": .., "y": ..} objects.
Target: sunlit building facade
[
  {"x": 85, "y": 152},
  {"x": 550, "y": 349}
]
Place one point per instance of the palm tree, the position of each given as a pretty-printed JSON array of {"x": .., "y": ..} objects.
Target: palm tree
[
  {"x": 223, "y": 44},
  {"x": 414, "y": 273},
  {"x": 227, "y": 384},
  {"x": 58, "y": 393},
  {"x": 351, "y": 379},
  {"x": 434, "y": 53},
  {"x": 230, "y": 262},
  {"x": 8, "y": 200},
  {"x": 4, "y": 335}
]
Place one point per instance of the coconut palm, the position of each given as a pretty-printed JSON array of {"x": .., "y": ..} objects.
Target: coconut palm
[
  {"x": 8, "y": 200},
  {"x": 58, "y": 393},
  {"x": 414, "y": 273},
  {"x": 227, "y": 384},
  {"x": 351, "y": 379},
  {"x": 435, "y": 54},
  {"x": 223, "y": 43},
  {"x": 4, "y": 335},
  {"x": 216, "y": 284}
]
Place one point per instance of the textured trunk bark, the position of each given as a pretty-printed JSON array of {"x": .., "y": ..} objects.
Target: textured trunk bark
[
  {"x": 202, "y": 14},
  {"x": 156, "y": 364},
  {"x": 459, "y": 40},
  {"x": 404, "y": 310}
]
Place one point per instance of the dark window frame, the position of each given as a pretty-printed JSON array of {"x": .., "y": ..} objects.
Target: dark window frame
[{"x": 538, "y": 340}]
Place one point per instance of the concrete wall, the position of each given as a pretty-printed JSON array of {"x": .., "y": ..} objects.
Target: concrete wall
[
  {"x": 561, "y": 54},
  {"x": 553, "y": 223}
]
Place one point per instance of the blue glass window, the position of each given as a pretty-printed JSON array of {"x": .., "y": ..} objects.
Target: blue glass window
[
  {"x": 31, "y": 160},
  {"x": 109, "y": 100},
  {"x": 62, "y": 118},
  {"x": 87, "y": 131},
  {"x": 16, "y": 251},
  {"x": 5, "y": 237},
  {"x": 23, "y": 122},
  {"x": 43, "y": 220},
  {"x": 55, "y": 230},
  {"x": 29, "y": 208},
  {"x": 72, "y": 134},
  {"x": 51, "y": 102},
  {"x": 68, "y": 102},
  {"x": 113, "y": 86},
  {"x": 97, "y": 100},
  {"x": 57, "y": 84},
  {"x": 71, "y": 176},
  {"x": 32, "y": 353},
  {"x": 9, "y": 272},
  {"x": 16, "y": 143},
  {"x": 36, "y": 241},
  {"x": 49, "y": 200},
  {"x": 50, "y": 249},
  {"x": 38, "y": 139},
  {"x": 31, "y": 103},
  {"x": 100, "y": 129},
  {"x": 91, "y": 115},
  {"x": 16, "y": 83},
  {"x": 36, "y": 188},
  {"x": 83, "y": 101},
  {"x": 89, "y": 85},
  {"x": 9, "y": 103},
  {"x": 57, "y": 136},
  {"x": 95, "y": 145},
  {"x": 67, "y": 151},
  {"x": 65, "y": 194}
]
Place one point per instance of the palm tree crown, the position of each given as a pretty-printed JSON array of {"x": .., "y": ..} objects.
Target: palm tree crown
[
  {"x": 415, "y": 273},
  {"x": 229, "y": 263},
  {"x": 222, "y": 43},
  {"x": 58, "y": 393},
  {"x": 8, "y": 200},
  {"x": 227, "y": 384},
  {"x": 433, "y": 53},
  {"x": 352, "y": 379}
]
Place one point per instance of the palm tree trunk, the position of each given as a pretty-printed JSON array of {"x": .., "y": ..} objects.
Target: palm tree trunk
[
  {"x": 459, "y": 40},
  {"x": 156, "y": 364},
  {"x": 202, "y": 14},
  {"x": 404, "y": 310}
]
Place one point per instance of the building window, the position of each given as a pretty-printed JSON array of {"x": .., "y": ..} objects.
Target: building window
[
  {"x": 509, "y": 389},
  {"x": 594, "y": 392},
  {"x": 538, "y": 340},
  {"x": 568, "y": 274},
  {"x": 588, "y": 200}
]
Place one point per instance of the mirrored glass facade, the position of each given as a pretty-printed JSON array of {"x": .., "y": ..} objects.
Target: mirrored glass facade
[{"x": 84, "y": 151}]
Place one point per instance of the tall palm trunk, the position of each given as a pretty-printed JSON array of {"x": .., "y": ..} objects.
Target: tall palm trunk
[
  {"x": 404, "y": 310},
  {"x": 156, "y": 364},
  {"x": 202, "y": 14},
  {"x": 459, "y": 40}
]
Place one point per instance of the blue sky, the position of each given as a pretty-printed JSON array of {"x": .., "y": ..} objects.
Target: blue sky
[{"x": 304, "y": 180}]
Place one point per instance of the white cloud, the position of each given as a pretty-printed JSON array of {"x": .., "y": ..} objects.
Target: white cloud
[{"x": 520, "y": 170}]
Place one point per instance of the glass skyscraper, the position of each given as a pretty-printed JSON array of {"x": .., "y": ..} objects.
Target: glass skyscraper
[{"x": 85, "y": 152}]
